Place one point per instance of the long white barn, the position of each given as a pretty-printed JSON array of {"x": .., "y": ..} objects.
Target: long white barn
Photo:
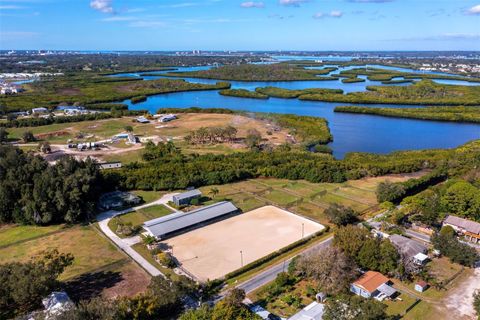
[{"x": 161, "y": 227}]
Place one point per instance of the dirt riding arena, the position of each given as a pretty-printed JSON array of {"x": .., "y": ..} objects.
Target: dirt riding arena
[{"x": 213, "y": 251}]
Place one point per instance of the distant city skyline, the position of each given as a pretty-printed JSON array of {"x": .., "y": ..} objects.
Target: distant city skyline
[{"x": 310, "y": 25}]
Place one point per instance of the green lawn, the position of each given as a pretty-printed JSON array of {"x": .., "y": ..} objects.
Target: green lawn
[
  {"x": 149, "y": 196},
  {"x": 12, "y": 234},
  {"x": 399, "y": 307},
  {"x": 137, "y": 218},
  {"x": 279, "y": 197}
]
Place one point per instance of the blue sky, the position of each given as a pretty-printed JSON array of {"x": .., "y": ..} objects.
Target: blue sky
[{"x": 240, "y": 25}]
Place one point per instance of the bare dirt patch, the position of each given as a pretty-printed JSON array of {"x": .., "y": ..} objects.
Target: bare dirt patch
[{"x": 214, "y": 250}]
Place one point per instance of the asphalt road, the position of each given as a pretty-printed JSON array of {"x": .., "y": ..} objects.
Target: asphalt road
[
  {"x": 271, "y": 273},
  {"x": 418, "y": 235}
]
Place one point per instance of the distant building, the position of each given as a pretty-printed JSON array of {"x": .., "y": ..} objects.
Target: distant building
[
  {"x": 39, "y": 110},
  {"x": 164, "y": 226},
  {"x": 186, "y": 197},
  {"x": 142, "y": 119},
  {"x": 314, "y": 311},
  {"x": 421, "y": 286},
  {"x": 373, "y": 284},
  {"x": 470, "y": 229},
  {"x": 109, "y": 165},
  {"x": 167, "y": 118},
  {"x": 117, "y": 199}
]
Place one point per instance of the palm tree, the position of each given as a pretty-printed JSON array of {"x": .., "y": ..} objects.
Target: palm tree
[{"x": 213, "y": 192}]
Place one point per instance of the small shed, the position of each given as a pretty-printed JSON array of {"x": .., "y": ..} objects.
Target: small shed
[
  {"x": 420, "y": 259},
  {"x": 421, "y": 286}
]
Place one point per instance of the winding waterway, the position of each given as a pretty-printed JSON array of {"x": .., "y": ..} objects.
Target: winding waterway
[{"x": 351, "y": 132}]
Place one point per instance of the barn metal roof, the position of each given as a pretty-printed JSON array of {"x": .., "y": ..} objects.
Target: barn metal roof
[
  {"x": 188, "y": 194},
  {"x": 179, "y": 220},
  {"x": 468, "y": 225}
]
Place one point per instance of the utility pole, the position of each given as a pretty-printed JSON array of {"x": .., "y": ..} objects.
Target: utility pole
[
  {"x": 241, "y": 258},
  {"x": 303, "y": 230}
]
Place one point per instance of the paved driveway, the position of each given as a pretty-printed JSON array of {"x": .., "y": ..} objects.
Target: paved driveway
[{"x": 125, "y": 244}]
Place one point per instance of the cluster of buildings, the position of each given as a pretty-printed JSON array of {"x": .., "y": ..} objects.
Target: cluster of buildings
[
  {"x": 9, "y": 88},
  {"x": 28, "y": 76},
  {"x": 451, "y": 67}
]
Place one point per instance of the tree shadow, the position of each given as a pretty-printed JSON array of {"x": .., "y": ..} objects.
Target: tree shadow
[{"x": 90, "y": 285}]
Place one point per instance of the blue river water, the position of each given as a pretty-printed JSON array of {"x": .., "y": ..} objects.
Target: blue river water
[{"x": 351, "y": 132}]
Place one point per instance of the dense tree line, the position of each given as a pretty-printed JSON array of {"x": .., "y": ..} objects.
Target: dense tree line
[
  {"x": 453, "y": 114},
  {"x": 395, "y": 192},
  {"x": 37, "y": 122},
  {"x": 448, "y": 245},
  {"x": 457, "y": 196},
  {"x": 259, "y": 72},
  {"x": 93, "y": 89},
  {"x": 199, "y": 170},
  {"x": 33, "y": 192}
]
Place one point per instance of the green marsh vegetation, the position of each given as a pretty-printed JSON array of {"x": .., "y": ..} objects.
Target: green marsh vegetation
[
  {"x": 88, "y": 90},
  {"x": 453, "y": 114},
  {"x": 259, "y": 72},
  {"x": 243, "y": 93},
  {"x": 425, "y": 92}
]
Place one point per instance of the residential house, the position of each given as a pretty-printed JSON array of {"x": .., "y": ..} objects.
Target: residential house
[
  {"x": 186, "y": 198},
  {"x": 408, "y": 248},
  {"x": 373, "y": 284},
  {"x": 469, "y": 229}
]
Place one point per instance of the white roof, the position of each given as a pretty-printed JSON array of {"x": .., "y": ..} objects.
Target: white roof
[
  {"x": 180, "y": 220},
  {"x": 421, "y": 257},
  {"x": 314, "y": 311}
]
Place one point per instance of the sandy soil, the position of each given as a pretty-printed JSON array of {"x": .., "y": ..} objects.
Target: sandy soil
[
  {"x": 459, "y": 301},
  {"x": 214, "y": 250}
]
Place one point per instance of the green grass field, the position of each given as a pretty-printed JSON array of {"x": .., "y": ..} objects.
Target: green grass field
[
  {"x": 91, "y": 250},
  {"x": 302, "y": 197},
  {"x": 137, "y": 218},
  {"x": 12, "y": 234}
]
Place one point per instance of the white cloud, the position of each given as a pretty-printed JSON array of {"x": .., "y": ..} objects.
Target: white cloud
[
  {"x": 252, "y": 4},
  {"x": 104, "y": 6},
  {"x": 475, "y": 10},
  {"x": 332, "y": 14},
  {"x": 371, "y": 1},
  {"x": 336, "y": 14},
  {"x": 11, "y": 7},
  {"x": 292, "y": 3}
]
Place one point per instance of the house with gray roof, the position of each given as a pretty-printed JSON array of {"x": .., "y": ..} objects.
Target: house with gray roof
[
  {"x": 166, "y": 225},
  {"x": 186, "y": 197},
  {"x": 408, "y": 248},
  {"x": 470, "y": 229}
]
